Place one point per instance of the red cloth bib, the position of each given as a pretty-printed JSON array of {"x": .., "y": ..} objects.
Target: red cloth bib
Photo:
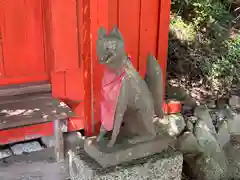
[{"x": 111, "y": 86}]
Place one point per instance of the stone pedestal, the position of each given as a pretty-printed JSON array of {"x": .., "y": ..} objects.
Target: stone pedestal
[
  {"x": 166, "y": 165},
  {"x": 232, "y": 151},
  {"x": 127, "y": 150}
]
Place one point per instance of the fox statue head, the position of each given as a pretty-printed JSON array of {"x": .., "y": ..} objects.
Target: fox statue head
[{"x": 110, "y": 48}]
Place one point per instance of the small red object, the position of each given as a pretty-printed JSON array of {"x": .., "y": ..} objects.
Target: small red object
[{"x": 172, "y": 107}]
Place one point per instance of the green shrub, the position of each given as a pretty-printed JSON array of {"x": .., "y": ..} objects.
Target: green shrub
[
  {"x": 182, "y": 30},
  {"x": 211, "y": 14},
  {"x": 226, "y": 69},
  {"x": 200, "y": 39}
]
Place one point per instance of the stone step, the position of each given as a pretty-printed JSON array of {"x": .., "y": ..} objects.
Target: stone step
[{"x": 31, "y": 109}]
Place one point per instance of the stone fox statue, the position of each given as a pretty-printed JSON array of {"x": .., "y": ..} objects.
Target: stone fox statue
[{"x": 123, "y": 89}]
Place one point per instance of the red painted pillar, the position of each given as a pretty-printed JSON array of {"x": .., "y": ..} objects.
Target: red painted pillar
[
  {"x": 99, "y": 14},
  {"x": 70, "y": 43},
  {"x": 148, "y": 32},
  {"x": 163, "y": 31}
]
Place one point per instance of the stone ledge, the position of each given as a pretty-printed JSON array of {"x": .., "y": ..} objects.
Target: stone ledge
[{"x": 162, "y": 166}]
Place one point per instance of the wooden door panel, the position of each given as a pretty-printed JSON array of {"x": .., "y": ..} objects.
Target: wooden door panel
[
  {"x": 129, "y": 12},
  {"x": 148, "y": 32},
  {"x": 22, "y": 35},
  {"x": 1, "y": 57}
]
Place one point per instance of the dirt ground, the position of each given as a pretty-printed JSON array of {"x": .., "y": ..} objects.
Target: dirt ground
[{"x": 35, "y": 166}]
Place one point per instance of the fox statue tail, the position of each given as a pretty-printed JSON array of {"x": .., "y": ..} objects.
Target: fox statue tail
[{"x": 154, "y": 80}]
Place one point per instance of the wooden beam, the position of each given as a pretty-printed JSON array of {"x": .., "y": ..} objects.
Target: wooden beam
[
  {"x": 59, "y": 142},
  {"x": 15, "y": 90}
]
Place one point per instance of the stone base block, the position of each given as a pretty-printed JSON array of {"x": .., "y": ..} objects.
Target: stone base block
[
  {"x": 223, "y": 135},
  {"x": 162, "y": 166},
  {"x": 127, "y": 150},
  {"x": 232, "y": 151},
  {"x": 234, "y": 125}
]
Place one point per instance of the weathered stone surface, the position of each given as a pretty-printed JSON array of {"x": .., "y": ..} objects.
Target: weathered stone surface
[
  {"x": 234, "y": 101},
  {"x": 189, "y": 125},
  {"x": 187, "y": 144},
  {"x": 172, "y": 124},
  {"x": 48, "y": 141},
  {"x": 127, "y": 151},
  {"x": 223, "y": 135},
  {"x": 19, "y": 149},
  {"x": 212, "y": 164},
  {"x": 192, "y": 119},
  {"x": 164, "y": 166},
  {"x": 154, "y": 80},
  {"x": 203, "y": 113},
  {"x": 209, "y": 168},
  {"x": 5, "y": 153},
  {"x": 234, "y": 125},
  {"x": 73, "y": 141},
  {"x": 177, "y": 124},
  {"x": 232, "y": 151}
]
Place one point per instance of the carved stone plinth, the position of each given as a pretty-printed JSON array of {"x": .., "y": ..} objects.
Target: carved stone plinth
[
  {"x": 162, "y": 166},
  {"x": 127, "y": 150}
]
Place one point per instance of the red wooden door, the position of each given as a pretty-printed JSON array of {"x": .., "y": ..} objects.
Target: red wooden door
[{"x": 22, "y": 42}]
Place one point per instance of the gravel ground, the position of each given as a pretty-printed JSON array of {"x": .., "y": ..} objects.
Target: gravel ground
[
  {"x": 232, "y": 151},
  {"x": 42, "y": 166},
  {"x": 34, "y": 166}
]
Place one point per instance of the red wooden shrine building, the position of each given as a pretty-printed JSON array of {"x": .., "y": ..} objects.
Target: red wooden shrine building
[{"x": 47, "y": 48}]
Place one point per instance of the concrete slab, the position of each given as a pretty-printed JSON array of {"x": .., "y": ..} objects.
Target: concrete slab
[{"x": 127, "y": 151}]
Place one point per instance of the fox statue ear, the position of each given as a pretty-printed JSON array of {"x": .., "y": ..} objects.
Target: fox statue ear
[
  {"x": 151, "y": 57},
  {"x": 115, "y": 32},
  {"x": 101, "y": 32}
]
